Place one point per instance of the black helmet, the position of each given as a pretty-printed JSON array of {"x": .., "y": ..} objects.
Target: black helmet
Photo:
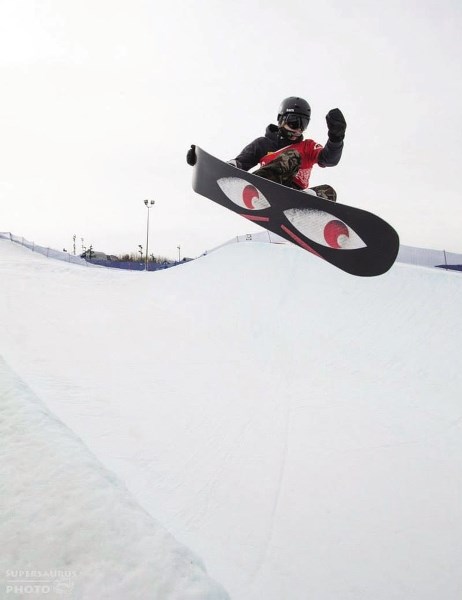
[{"x": 295, "y": 106}]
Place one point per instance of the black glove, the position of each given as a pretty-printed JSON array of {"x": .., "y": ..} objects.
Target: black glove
[
  {"x": 336, "y": 125},
  {"x": 191, "y": 156}
]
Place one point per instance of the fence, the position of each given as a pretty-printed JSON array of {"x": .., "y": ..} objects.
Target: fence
[
  {"x": 430, "y": 258},
  {"x": 407, "y": 254},
  {"x": 48, "y": 252},
  {"x": 132, "y": 265},
  {"x": 65, "y": 256}
]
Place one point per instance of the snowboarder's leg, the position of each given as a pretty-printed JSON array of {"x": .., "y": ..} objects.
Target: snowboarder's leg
[
  {"x": 282, "y": 169},
  {"x": 324, "y": 191}
]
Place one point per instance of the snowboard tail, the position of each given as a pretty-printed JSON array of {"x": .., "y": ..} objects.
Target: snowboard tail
[{"x": 354, "y": 240}]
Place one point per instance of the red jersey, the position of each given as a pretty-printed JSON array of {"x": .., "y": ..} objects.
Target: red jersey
[{"x": 309, "y": 151}]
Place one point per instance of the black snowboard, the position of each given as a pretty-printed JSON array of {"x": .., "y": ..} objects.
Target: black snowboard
[{"x": 352, "y": 239}]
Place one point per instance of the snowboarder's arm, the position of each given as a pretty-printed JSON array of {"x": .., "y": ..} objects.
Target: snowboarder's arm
[
  {"x": 330, "y": 155},
  {"x": 250, "y": 155},
  {"x": 336, "y": 126}
]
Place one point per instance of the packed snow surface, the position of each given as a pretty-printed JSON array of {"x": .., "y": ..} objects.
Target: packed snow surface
[{"x": 295, "y": 427}]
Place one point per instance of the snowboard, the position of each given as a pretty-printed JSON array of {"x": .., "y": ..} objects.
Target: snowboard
[{"x": 353, "y": 240}]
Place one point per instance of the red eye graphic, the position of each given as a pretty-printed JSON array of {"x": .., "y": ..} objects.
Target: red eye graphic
[
  {"x": 324, "y": 229},
  {"x": 243, "y": 193}
]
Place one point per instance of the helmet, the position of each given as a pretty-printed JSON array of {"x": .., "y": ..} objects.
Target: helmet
[{"x": 295, "y": 106}]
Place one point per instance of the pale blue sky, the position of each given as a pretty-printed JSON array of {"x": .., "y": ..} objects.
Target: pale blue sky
[{"x": 100, "y": 99}]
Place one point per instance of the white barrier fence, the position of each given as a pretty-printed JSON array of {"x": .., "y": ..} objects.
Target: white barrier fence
[
  {"x": 48, "y": 252},
  {"x": 429, "y": 258},
  {"x": 407, "y": 254}
]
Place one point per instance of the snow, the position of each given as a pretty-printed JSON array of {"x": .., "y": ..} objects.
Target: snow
[
  {"x": 296, "y": 427},
  {"x": 64, "y": 509}
]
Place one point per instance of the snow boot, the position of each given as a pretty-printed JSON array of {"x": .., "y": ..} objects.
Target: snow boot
[{"x": 325, "y": 191}]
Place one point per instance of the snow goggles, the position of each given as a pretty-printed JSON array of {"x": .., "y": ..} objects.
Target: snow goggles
[{"x": 296, "y": 121}]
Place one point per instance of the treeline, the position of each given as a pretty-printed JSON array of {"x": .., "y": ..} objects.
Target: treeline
[{"x": 136, "y": 257}]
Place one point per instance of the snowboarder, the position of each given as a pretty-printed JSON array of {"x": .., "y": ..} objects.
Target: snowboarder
[{"x": 287, "y": 158}]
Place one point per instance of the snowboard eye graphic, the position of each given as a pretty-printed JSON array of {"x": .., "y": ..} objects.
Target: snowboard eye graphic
[
  {"x": 324, "y": 229},
  {"x": 243, "y": 193}
]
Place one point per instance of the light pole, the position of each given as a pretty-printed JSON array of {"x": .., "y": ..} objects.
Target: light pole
[
  {"x": 179, "y": 253},
  {"x": 149, "y": 204}
]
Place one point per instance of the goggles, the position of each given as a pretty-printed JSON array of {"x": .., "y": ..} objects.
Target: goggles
[{"x": 296, "y": 121}]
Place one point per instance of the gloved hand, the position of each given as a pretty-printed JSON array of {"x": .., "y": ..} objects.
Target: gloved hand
[
  {"x": 336, "y": 125},
  {"x": 191, "y": 156}
]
